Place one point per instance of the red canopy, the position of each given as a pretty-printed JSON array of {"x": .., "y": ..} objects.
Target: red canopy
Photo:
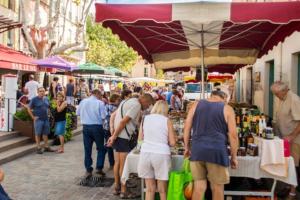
[
  {"x": 15, "y": 60},
  {"x": 171, "y": 35}
]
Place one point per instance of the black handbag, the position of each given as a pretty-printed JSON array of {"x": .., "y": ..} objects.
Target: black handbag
[{"x": 133, "y": 138}]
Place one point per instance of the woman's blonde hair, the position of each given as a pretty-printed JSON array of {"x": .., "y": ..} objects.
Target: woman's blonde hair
[
  {"x": 160, "y": 107},
  {"x": 60, "y": 94}
]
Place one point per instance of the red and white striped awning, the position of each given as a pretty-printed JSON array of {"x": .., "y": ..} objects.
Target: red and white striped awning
[{"x": 171, "y": 35}]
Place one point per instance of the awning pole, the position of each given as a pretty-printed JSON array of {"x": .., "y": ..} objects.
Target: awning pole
[{"x": 202, "y": 63}]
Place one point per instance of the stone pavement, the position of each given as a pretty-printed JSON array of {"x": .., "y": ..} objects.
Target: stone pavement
[{"x": 52, "y": 176}]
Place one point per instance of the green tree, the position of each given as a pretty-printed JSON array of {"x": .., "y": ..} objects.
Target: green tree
[
  {"x": 106, "y": 49},
  {"x": 160, "y": 74}
]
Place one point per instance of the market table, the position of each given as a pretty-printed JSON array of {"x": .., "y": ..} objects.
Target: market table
[{"x": 248, "y": 167}]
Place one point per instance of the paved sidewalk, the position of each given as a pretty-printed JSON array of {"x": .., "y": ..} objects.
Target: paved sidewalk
[{"x": 51, "y": 176}]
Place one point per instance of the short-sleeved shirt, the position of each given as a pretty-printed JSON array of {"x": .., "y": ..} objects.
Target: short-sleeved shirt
[
  {"x": 32, "y": 87},
  {"x": 110, "y": 108},
  {"x": 83, "y": 91},
  {"x": 132, "y": 108},
  {"x": 40, "y": 107},
  {"x": 91, "y": 111},
  {"x": 288, "y": 115}
]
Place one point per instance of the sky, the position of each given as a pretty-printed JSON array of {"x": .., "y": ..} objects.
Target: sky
[{"x": 155, "y": 1}]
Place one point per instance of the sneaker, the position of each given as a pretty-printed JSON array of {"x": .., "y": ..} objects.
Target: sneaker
[
  {"x": 87, "y": 175},
  {"x": 100, "y": 172},
  {"x": 39, "y": 151},
  {"x": 48, "y": 149}
]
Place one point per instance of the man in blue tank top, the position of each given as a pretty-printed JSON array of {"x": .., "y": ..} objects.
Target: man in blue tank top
[{"x": 213, "y": 124}]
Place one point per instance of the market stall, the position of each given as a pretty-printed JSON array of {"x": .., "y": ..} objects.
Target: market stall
[
  {"x": 208, "y": 34},
  {"x": 248, "y": 167},
  {"x": 257, "y": 143}
]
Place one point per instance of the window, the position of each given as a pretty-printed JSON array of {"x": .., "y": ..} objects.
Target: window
[
  {"x": 11, "y": 5},
  {"x": 69, "y": 38},
  {"x": 271, "y": 81},
  {"x": 9, "y": 41},
  {"x": 145, "y": 72}
]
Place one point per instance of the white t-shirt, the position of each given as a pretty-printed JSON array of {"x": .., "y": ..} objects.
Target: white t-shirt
[
  {"x": 32, "y": 87},
  {"x": 155, "y": 129},
  {"x": 132, "y": 108}
]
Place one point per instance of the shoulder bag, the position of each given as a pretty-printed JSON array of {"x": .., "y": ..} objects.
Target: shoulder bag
[{"x": 133, "y": 138}]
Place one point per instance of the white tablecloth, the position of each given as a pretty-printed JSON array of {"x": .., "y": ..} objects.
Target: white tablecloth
[{"x": 248, "y": 167}]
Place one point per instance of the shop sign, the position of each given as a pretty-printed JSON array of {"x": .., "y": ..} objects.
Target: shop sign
[{"x": 23, "y": 67}]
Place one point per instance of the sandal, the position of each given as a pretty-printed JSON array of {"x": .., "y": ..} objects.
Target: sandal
[
  {"x": 60, "y": 151},
  {"x": 117, "y": 191},
  {"x": 129, "y": 196}
]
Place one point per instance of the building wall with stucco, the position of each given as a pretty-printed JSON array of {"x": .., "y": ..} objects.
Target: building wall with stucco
[{"x": 286, "y": 57}]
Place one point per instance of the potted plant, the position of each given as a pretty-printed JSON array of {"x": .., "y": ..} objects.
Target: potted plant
[{"x": 23, "y": 123}]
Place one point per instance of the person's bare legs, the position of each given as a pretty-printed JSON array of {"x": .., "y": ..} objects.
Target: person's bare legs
[
  {"x": 199, "y": 189},
  {"x": 62, "y": 142},
  {"x": 162, "y": 189},
  {"x": 116, "y": 170},
  {"x": 45, "y": 138},
  {"x": 38, "y": 141},
  {"x": 150, "y": 188},
  {"x": 122, "y": 158},
  {"x": 217, "y": 191}
]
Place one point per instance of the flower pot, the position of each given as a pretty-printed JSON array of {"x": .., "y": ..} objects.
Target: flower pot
[{"x": 25, "y": 128}]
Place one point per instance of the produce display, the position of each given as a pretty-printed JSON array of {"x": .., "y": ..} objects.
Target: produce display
[{"x": 178, "y": 119}]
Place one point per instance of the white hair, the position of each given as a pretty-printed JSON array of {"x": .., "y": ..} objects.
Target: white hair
[{"x": 279, "y": 86}]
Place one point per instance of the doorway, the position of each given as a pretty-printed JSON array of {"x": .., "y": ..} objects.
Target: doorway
[
  {"x": 271, "y": 81},
  {"x": 249, "y": 88}
]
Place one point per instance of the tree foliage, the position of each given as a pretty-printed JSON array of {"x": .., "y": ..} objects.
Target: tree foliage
[
  {"x": 106, "y": 49},
  {"x": 160, "y": 74}
]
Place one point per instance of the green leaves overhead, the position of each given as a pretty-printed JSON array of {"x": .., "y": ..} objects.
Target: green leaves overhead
[{"x": 106, "y": 49}]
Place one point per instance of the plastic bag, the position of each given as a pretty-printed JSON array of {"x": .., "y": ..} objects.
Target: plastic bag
[{"x": 180, "y": 183}]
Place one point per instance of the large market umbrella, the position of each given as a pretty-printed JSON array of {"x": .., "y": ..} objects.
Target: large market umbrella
[
  {"x": 56, "y": 62},
  {"x": 183, "y": 34},
  {"x": 91, "y": 68},
  {"x": 116, "y": 71}
]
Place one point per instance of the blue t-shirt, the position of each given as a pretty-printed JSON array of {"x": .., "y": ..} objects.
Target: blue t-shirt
[
  {"x": 40, "y": 107},
  {"x": 168, "y": 97}
]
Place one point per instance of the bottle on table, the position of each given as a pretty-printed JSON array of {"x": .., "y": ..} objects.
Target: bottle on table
[{"x": 261, "y": 127}]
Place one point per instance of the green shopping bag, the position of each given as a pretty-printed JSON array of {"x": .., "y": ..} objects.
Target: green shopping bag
[{"x": 179, "y": 181}]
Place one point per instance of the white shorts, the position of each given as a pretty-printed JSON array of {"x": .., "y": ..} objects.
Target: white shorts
[
  {"x": 153, "y": 165},
  {"x": 70, "y": 100}
]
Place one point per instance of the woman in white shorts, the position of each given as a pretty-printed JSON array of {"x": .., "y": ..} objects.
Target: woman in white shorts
[{"x": 155, "y": 159}]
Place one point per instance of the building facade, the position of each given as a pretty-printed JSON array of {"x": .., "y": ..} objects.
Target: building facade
[
  {"x": 280, "y": 63},
  {"x": 142, "y": 68},
  {"x": 9, "y": 36}
]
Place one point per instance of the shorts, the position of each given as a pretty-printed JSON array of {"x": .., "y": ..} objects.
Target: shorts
[
  {"x": 121, "y": 145},
  {"x": 295, "y": 153},
  {"x": 41, "y": 127},
  {"x": 153, "y": 165},
  {"x": 70, "y": 100},
  {"x": 214, "y": 173},
  {"x": 60, "y": 128}
]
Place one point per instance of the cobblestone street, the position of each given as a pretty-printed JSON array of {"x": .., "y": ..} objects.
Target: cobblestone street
[{"x": 52, "y": 176}]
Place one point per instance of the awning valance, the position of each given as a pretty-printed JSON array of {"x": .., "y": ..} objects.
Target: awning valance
[
  {"x": 172, "y": 35},
  {"x": 15, "y": 60}
]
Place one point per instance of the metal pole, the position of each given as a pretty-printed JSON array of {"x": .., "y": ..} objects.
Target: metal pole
[{"x": 202, "y": 62}]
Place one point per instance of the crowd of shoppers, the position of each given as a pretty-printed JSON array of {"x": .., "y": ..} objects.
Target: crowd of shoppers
[{"x": 111, "y": 119}]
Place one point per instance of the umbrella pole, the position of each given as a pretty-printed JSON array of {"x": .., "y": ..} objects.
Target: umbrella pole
[{"x": 202, "y": 63}]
